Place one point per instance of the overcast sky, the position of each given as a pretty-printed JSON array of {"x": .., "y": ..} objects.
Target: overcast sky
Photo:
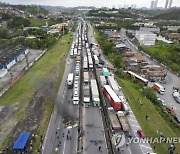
[{"x": 96, "y": 3}]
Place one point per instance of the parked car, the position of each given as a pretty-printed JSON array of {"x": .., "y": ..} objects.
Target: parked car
[
  {"x": 140, "y": 133},
  {"x": 171, "y": 111},
  {"x": 177, "y": 119},
  {"x": 162, "y": 101}
]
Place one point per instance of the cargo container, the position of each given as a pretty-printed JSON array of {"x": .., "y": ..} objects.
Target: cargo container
[
  {"x": 103, "y": 80},
  {"x": 113, "y": 84},
  {"x": 96, "y": 60},
  {"x": 86, "y": 95},
  {"x": 90, "y": 63},
  {"x": 105, "y": 72},
  {"x": 123, "y": 121},
  {"x": 114, "y": 120},
  {"x": 86, "y": 77},
  {"x": 85, "y": 65},
  {"x": 70, "y": 80},
  {"x": 159, "y": 88},
  {"x": 112, "y": 98},
  {"x": 95, "y": 93}
]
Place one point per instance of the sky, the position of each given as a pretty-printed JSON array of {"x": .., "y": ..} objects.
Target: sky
[{"x": 96, "y": 3}]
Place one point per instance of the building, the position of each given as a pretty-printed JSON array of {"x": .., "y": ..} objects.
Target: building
[
  {"x": 166, "y": 4},
  {"x": 146, "y": 38},
  {"x": 114, "y": 36},
  {"x": 155, "y": 4},
  {"x": 170, "y": 3},
  {"x": 10, "y": 57},
  {"x": 152, "y": 4},
  {"x": 173, "y": 36},
  {"x": 150, "y": 29}
]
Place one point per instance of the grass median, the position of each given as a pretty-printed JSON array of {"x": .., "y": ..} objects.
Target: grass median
[
  {"x": 155, "y": 123},
  {"x": 24, "y": 90}
]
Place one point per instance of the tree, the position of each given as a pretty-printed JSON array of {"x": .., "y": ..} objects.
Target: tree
[
  {"x": 178, "y": 30},
  {"x": 4, "y": 33}
]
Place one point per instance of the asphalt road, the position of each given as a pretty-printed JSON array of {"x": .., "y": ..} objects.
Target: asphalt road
[
  {"x": 171, "y": 79},
  {"x": 93, "y": 127},
  {"x": 133, "y": 148},
  {"x": 63, "y": 109}
]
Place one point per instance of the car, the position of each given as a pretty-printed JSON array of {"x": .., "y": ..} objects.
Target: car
[
  {"x": 176, "y": 96},
  {"x": 162, "y": 101},
  {"x": 177, "y": 119},
  {"x": 140, "y": 133},
  {"x": 171, "y": 111}
]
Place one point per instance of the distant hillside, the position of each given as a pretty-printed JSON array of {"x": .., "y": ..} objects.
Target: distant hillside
[{"x": 171, "y": 14}]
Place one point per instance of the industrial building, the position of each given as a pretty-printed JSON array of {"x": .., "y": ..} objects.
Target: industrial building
[
  {"x": 10, "y": 57},
  {"x": 146, "y": 38}
]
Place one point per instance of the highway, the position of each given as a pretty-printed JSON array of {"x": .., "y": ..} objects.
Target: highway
[
  {"x": 171, "y": 79},
  {"x": 64, "y": 109},
  {"x": 133, "y": 148}
]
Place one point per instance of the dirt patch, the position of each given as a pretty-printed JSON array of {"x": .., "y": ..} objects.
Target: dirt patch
[{"x": 30, "y": 122}]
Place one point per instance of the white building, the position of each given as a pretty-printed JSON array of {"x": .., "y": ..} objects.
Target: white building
[{"x": 146, "y": 38}]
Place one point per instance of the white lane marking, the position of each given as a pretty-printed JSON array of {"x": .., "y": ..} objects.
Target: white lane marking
[
  {"x": 145, "y": 146},
  {"x": 136, "y": 126},
  {"x": 133, "y": 120},
  {"x": 64, "y": 147},
  {"x": 129, "y": 150}
]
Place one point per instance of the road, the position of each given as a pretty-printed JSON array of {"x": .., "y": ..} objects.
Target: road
[
  {"x": 92, "y": 126},
  {"x": 63, "y": 109},
  {"x": 133, "y": 148},
  {"x": 171, "y": 79}
]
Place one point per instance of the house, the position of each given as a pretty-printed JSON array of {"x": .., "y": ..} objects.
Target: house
[
  {"x": 146, "y": 38},
  {"x": 173, "y": 36},
  {"x": 114, "y": 36}
]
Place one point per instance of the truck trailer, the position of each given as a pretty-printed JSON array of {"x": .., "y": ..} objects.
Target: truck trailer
[
  {"x": 86, "y": 95},
  {"x": 159, "y": 88},
  {"x": 114, "y": 120},
  {"x": 103, "y": 80},
  {"x": 123, "y": 121},
  {"x": 95, "y": 93},
  {"x": 86, "y": 77},
  {"x": 96, "y": 60},
  {"x": 112, "y": 98},
  {"x": 70, "y": 80},
  {"x": 113, "y": 84}
]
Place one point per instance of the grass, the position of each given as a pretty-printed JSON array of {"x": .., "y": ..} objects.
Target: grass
[
  {"x": 42, "y": 22},
  {"x": 24, "y": 89},
  {"x": 156, "y": 121}
]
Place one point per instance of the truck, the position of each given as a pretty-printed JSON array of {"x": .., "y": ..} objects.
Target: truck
[
  {"x": 70, "y": 80},
  {"x": 96, "y": 60},
  {"x": 85, "y": 65},
  {"x": 113, "y": 84},
  {"x": 160, "y": 89},
  {"x": 105, "y": 72},
  {"x": 76, "y": 95},
  {"x": 95, "y": 93},
  {"x": 114, "y": 120},
  {"x": 86, "y": 95},
  {"x": 78, "y": 59},
  {"x": 103, "y": 80},
  {"x": 95, "y": 51},
  {"x": 123, "y": 121},
  {"x": 72, "y": 53},
  {"x": 90, "y": 63},
  {"x": 86, "y": 77},
  {"x": 75, "y": 51},
  {"x": 112, "y": 98}
]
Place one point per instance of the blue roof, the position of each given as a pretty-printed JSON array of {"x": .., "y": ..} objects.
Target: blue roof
[{"x": 21, "y": 141}]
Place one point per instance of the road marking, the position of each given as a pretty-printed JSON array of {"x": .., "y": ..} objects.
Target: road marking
[
  {"x": 64, "y": 147},
  {"x": 129, "y": 150},
  {"x": 145, "y": 146},
  {"x": 133, "y": 120},
  {"x": 136, "y": 126}
]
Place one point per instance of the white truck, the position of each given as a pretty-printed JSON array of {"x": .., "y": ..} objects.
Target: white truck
[
  {"x": 86, "y": 95},
  {"x": 103, "y": 80},
  {"x": 95, "y": 93},
  {"x": 86, "y": 77},
  {"x": 113, "y": 84},
  {"x": 76, "y": 96},
  {"x": 96, "y": 60},
  {"x": 70, "y": 80},
  {"x": 159, "y": 88}
]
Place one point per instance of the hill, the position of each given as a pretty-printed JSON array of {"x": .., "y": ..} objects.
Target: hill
[{"x": 171, "y": 14}]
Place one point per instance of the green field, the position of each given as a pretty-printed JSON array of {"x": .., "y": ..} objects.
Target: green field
[
  {"x": 42, "y": 22},
  {"x": 24, "y": 89},
  {"x": 166, "y": 54},
  {"x": 155, "y": 123}
]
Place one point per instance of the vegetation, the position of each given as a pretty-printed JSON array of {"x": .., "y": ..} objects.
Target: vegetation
[
  {"x": 24, "y": 90},
  {"x": 167, "y": 54},
  {"x": 171, "y": 14},
  {"x": 18, "y": 22},
  {"x": 135, "y": 93},
  {"x": 36, "y": 22},
  {"x": 149, "y": 105}
]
